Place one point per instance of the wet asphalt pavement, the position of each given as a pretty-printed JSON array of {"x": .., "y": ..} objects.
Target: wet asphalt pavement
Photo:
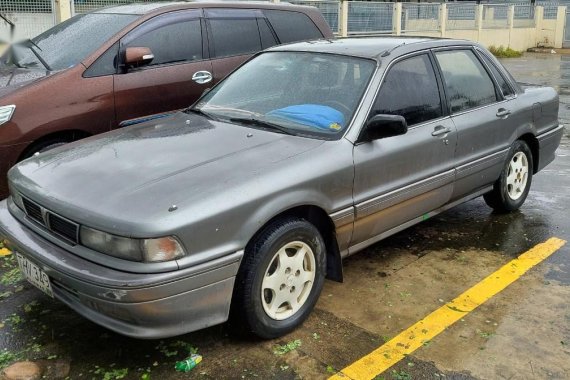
[{"x": 522, "y": 333}]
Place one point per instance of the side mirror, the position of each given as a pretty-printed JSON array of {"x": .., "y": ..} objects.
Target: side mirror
[
  {"x": 138, "y": 56},
  {"x": 382, "y": 126}
]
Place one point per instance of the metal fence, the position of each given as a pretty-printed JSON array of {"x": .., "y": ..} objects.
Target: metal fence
[
  {"x": 550, "y": 9},
  {"x": 30, "y": 17},
  {"x": 523, "y": 16},
  {"x": 461, "y": 16},
  {"x": 329, "y": 9},
  {"x": 420, "y": 17},
  {"x": 495, "y": 16},
  {"x": 370, "y": 17}
]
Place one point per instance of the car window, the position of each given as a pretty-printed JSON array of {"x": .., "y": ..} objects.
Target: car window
[
  {"x": 503, "y": 84},
  {"x": 106, "y": 64},
  {"x": 267, "y": 38},
  {"x": 234, "y": 37},
  {"x": 292, "y": 26},
  {"x": 410, "y": 90},
  {"x": 467, "y": 83},
  {"x": 172, "y": 42}
]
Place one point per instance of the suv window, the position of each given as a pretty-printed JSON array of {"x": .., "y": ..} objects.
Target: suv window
[
  {"x": 467, "y": 83},
  {"x": 410, "y": 90},
  {"x": 106, "y": 64},
  {"x": 234, "y": 36},
  {"x": 501, "y": 81},
  {"x": 292, "y": 26},
  {"x": 267, "y": 38},
  {"x": 172, "y": 42}
]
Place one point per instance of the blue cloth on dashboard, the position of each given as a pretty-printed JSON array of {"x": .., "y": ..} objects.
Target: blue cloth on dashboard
[{"x": 313, "y": 115}]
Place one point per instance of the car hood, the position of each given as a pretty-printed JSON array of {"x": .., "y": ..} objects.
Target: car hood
[
  {"x": 141, "y": 171},
  {"x": 12, "y": 77}
]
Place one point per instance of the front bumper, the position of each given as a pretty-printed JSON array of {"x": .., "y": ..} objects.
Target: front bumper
[{"x": 155, "y": 305}]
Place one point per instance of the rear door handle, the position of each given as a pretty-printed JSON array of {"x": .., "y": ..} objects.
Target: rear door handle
[
  {"x": 503, "y": 112},
  {"x": 440, "y": 130},
  {"x": 202, "y": 77}
]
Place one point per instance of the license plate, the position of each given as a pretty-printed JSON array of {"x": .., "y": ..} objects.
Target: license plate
[{"x": 34, "y": 275}]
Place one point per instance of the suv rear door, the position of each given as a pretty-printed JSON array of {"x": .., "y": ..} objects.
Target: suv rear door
[{"x": 166, "y": 84}]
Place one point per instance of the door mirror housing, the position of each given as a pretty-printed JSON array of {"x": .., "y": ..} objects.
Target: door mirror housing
[
  {"x": 382, "y": 126},
  {"x": 138, "y": 56}
]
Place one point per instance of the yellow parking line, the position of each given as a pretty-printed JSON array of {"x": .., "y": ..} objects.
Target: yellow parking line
[{"x": 415, "y": 336}]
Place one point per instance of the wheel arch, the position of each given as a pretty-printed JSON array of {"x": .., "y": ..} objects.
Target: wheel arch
[
  {"x": 322, "y": 221},
  {"x": 68, "y": 135},
  {"x": 532, "y": 143}
]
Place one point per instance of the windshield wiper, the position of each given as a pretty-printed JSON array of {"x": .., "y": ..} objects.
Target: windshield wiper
[
  {"x": 198, "y": 111},
  {"x": 263, "y": 124},
  {"x": 37, "y": 54}
]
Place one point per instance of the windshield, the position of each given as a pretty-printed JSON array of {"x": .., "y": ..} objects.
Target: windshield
[
  {"x": 307, "y": 94},
  {"x": 68, "y": 43}
]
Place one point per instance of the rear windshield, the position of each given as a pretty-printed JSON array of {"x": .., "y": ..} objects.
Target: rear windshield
[{"x": 68, "y": 43}]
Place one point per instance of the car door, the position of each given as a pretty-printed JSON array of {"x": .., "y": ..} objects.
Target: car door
[
  {"x": 482, "y": 116},
  {"x": 234, "y": 36},
  {"x": 398, "y": 179},
  {"x": 178, "y": 74}
]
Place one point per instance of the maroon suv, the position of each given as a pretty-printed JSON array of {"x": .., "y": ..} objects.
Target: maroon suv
[{"x": 118, "y": 66}]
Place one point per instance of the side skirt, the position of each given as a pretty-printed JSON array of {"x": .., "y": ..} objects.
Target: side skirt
[{"x": 360, "y": 246}]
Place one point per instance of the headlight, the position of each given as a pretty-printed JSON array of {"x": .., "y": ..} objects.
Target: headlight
[
  {"x": 147, "y": 250},
  {"x": 6, "y": 113}
]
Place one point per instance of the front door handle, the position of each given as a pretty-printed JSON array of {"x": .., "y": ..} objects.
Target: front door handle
[
  {"x": 202, "y": 77},
  {"x": 440, "y": 130},
  {"x": 503, "y": 112}
]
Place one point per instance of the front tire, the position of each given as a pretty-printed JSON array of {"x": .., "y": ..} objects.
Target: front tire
[
  {"x": 44, "y": 146},
  {"x": 280, "y": 278},
  {"x": 511, "y": 189}
]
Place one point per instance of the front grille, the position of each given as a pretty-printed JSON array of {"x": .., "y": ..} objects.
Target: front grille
[
  {"x": 34, "y": 211},
  {"x": 56, "y": 224},
  {"x": 63, "y": 227}
]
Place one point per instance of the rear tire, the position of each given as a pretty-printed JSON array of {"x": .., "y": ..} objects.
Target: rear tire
[
  {"x": 511, "y": 189},
  {"x": 280, "y": 278}
]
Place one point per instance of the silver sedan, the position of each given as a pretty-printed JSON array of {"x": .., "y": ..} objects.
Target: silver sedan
[{"x": 242, "y": 204}]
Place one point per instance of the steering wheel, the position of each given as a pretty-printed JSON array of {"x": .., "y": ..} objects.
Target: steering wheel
[{"x": 336, "y": 104}]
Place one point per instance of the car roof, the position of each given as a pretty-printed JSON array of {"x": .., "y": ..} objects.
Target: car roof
[
  {"x": 371, "y": 47},
  {"x": 159, "y": 7}
]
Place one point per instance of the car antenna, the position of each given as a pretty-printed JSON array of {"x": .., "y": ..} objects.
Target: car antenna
[{"x": 387, "y": 52}]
